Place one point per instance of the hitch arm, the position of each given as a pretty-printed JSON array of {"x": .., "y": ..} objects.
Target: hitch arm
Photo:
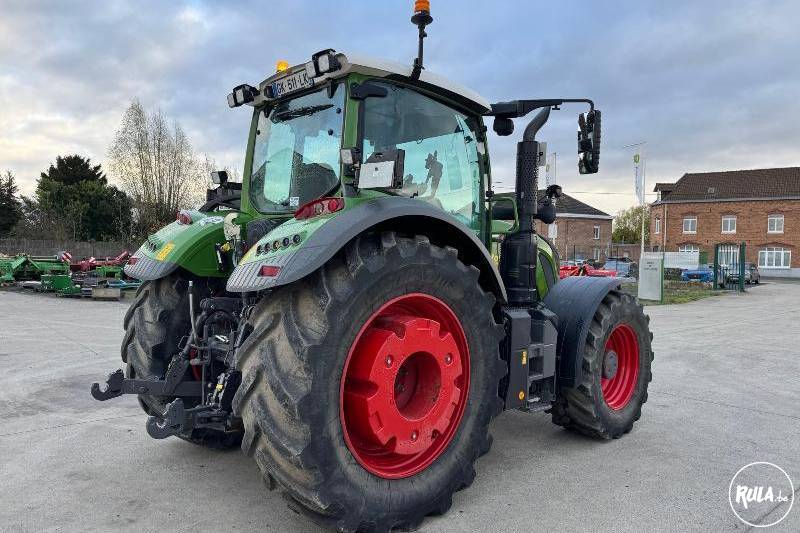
[{"x": 117, "y": 385}]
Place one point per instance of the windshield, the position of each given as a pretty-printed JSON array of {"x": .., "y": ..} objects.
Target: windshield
[{"x": 296, "y": 154}]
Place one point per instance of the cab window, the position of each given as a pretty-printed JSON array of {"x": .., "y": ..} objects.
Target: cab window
[{"x": 441, "y": 156}]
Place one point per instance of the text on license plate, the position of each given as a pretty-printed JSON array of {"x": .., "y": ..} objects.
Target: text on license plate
[{"x": 295, "y": 82}]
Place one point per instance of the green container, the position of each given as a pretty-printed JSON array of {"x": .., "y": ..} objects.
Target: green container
[{"x": 56, "y": 282}]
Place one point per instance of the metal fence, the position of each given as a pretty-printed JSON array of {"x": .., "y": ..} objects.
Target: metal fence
[
  {"x": 78, "y": 249},
  {"x": 729, "y": 266},
  {"x": 600, "y": 253}
]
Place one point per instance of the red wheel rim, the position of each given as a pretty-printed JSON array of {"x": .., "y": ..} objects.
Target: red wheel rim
[
  {"x": 618, "y": 386},
  {"x": 404, "y": 386}
]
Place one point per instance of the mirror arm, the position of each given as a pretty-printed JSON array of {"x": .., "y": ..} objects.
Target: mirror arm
[{"x": 520, "y": 108}]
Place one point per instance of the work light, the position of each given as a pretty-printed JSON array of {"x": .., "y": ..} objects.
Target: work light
[
  {"x": 322, "y": 62},
  {"x": 242, "y": 94}
]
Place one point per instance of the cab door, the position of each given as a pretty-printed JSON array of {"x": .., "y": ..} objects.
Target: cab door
[{"x": 440, "y": 142}]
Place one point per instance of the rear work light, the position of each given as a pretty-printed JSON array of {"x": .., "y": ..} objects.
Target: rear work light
[
  {"x": 322, "y": 206},
  {"x": 269, "y": 271}
]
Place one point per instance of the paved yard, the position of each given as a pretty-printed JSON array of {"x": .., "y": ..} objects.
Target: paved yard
[{"x": 726, "y": 392}]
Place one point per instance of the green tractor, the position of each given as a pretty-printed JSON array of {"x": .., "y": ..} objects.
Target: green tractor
[{"x": 339, "y": 313}]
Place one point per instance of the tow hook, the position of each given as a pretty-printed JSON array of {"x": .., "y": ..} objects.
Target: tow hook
[{"x": 171, "y": 424}]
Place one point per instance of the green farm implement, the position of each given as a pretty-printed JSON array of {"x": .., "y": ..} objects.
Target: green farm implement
[
  {"x": 339, "y": 314},
  {"x": 23, "y": 267}
]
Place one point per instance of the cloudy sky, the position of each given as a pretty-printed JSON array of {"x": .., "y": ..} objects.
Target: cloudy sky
[{"x": 711, "y": 85}]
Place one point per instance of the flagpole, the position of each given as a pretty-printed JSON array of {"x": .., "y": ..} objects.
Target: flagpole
[
  {"x": 642, "y": 203},
  {"x": 555, "y": 168}
]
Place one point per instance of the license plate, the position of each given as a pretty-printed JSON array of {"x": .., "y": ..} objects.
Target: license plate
[{"x": 290, "y": 84}]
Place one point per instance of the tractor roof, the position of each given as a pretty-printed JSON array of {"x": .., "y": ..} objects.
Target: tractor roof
[{"x": 393, "y": 70}]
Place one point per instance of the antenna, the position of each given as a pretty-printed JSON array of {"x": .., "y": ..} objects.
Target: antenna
[{"x": 422, "y": 17}]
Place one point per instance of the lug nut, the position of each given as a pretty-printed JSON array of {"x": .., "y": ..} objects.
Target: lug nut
[
  {"x": 414, "y": 435},
  {"x": 434, "y": 435},
  {"x": 389, "y": 360},
  {"x": 448, "y": 358}
]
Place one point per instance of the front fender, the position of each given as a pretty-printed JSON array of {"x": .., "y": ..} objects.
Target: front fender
[
  {"x": 574, "y": 300},
  {"x": 190, "y": 247},
  {"x": 320, "y": 238}
]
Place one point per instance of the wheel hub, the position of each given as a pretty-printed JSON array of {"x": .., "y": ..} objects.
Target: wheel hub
[
  {"x": 610, "y": 365},
  {"x": 620, "y": 371},
  {"x": 405, "y": 386}
]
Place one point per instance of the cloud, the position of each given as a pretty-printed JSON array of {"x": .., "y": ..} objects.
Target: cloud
[{"x": 709, "y": 85}]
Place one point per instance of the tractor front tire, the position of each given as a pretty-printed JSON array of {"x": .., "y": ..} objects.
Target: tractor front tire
[
  {"x": 368, "y": 386},
  {"x": 154, "y": 324},
  {"x": 616, "y": 364}
]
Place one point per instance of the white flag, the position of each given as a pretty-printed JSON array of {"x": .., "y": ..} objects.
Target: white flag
[
  {"x": 550, "y": 170},
  {"x": 638, "y": 175}
]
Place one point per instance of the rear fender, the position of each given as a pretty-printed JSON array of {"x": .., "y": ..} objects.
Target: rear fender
[
  {"x": 312, "y": 242},
  {"x": 187, "y": 246},
  {"x": 575, "y": 300}
]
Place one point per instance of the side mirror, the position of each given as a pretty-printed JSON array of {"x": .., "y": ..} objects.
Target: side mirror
[
  {"x": 589, "y": 142},
  {"x": 382, "y": 170},
  {"x": 546, "y": 210},
  {"x": 503, "y": 126},
  {"x": 553, "y": 191},
  {"x": 219, "y": 177}
]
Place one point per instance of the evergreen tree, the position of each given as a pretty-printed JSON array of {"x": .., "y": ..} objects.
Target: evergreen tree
[
  {"x": 73, "y": 169},
  {"x": 74, "y": 201},
  {"x": 10, "y": 205}
]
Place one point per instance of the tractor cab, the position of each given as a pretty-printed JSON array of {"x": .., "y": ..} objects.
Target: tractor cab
[{"x": 347, "y": 126}]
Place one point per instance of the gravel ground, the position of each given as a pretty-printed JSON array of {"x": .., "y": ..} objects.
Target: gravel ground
[{"x": 726, "y": 392}]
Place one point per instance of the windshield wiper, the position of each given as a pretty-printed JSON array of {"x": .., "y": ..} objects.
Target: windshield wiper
[{"x": 299, "y": 112}]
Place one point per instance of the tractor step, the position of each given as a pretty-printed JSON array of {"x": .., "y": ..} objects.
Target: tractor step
[{"x": 530, "y": 349}]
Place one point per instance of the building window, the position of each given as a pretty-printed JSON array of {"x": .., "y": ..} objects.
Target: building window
[
  {"x": 690, "y": 225},
  {"x": 729, "y": 224},
  {"x": 552, "y": 231},
  {"x": 775, "y": 224},
  {"x": 596, "y": 254},
  {"x": 658, "y": 225},
  {"x": 688, "y": 248},
  {"x": 774, "y": 257},
  {"x": 597, "y": 233}
]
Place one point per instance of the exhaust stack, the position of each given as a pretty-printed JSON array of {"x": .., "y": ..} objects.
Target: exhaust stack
[{"x": 518, "y": 251}]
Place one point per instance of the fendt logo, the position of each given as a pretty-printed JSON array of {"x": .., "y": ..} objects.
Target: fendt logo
[{"x": 761, "y": 494}]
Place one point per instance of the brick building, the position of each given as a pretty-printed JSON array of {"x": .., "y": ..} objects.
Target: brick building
[
  {"x": 580, "y": 231},
  {"x": 759, "y": 207}
]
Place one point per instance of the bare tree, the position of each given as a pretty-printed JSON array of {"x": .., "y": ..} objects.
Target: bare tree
[{"x": 155, "y": 164}]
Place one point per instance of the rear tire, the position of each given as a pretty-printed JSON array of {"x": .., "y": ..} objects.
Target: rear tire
[
  {"x": 155, "y": 323},
  {"x": 294, "y": 362},
  {"x": 603, "y": 407}
]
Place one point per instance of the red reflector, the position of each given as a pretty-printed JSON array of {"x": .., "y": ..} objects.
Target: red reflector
[
  {"x": 269, "y": 271},
  {"x": 322, "y": 206},
  {"x": 184, "y": 217},
  {"x": 133, "y": 260}
]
